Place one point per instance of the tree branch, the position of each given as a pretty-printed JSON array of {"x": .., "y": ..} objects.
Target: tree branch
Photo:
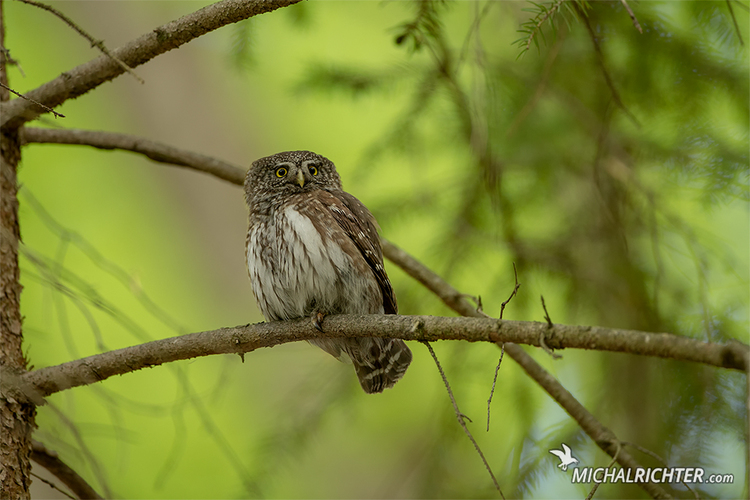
[
  {"x": 242, "y": 339},
  {"x": 156, "y": 151},
  {"x": 70, "y": 478},
  {"x": 602, "y": 436},
  {"x": 90, "y": 75}
]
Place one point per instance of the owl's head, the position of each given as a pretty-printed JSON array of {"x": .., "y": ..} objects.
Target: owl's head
[{"x": 290, "y": 172}]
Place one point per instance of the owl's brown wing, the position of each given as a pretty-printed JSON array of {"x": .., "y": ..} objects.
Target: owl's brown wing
[{"x": 361, "y": 227}]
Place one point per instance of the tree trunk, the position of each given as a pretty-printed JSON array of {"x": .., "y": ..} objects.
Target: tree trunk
[{"x": 16, "y": 417}]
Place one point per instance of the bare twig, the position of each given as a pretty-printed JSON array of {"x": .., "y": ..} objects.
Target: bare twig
[
  {"x": 542, "y": 341},
  {"x": 546, "y": 348},
  {"x": 53, "y": 485},
  {"x": 513, "y": 293},
  {"x": 632, "y": 16},
  {"x": 460, "y": 417},
  {"x": 734, "y": 20},
  {"x": 502, "y": 346},
  {"x": 546, "y": 314},
  {"x": 99, "y": 44},
  {"x": 494, "y": 381},
  {"x": 46, "y": 108},
  {"x": 70, "y": 478},
  {"x": 610, "y": 464},
  {"x": 12, "y": 62}
]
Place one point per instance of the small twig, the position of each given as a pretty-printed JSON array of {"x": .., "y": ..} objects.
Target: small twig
[
  {"x": 53, "y": 485},
  {"x": 460, "y": 417},
  {"x": 494, "y": 381},
  {"x": 99, "y": 44},
  {"x": 734, "y": 20},
  {"x": 661, "y": 460},
  {"x": 46, "y": 108},
  {"x": 513, "y": 293},
  {"x": 546, "y": 314},
  {"x": 13, "y": 62},
  {"x": 632, "y": 16},
  {"x": 502, "y": 346},
  {"x": 476, "y": 299},
  {"x": 542, "y": 341},
  {"x": 611, "y": 463}
]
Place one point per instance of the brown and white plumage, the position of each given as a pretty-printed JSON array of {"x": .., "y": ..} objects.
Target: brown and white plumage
[{"x": 314, "y": 249}]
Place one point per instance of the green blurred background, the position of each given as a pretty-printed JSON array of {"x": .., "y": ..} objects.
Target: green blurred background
[{"x": 473, "y": 155}]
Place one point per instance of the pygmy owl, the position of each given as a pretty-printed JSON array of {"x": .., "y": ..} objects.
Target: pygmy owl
[{"x": 313, "y": 249}]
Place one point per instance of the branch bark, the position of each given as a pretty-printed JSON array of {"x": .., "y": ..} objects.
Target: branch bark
[
  {"x": 242, "y": 339},
  {"x": 90, "y": 75},
  {"x": 156, "y": 151}
]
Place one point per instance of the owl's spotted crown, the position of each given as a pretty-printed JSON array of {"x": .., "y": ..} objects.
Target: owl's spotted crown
[{"x": 291, "y": 170}]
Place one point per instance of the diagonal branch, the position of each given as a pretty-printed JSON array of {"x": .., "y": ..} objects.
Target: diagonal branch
[
  {"x": 602, "y": 436},
  {"x": 70, "y": 478},
  {"x": 90, "y": 75}
]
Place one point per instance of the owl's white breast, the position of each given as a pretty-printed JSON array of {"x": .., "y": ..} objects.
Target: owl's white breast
[{"x": 292, "y": 266}]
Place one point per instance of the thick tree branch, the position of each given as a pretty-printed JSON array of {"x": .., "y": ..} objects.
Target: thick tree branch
[
  {"x": 156, "y": 151},
  {"x": 90, "y": 75},
  {"x": 247, "y": 338},
  {"x": 70, "y": 478}
]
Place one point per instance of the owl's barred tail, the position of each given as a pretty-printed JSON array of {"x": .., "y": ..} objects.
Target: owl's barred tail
[
  {"x": 379, "y": 363},
  {"x": 384, "y": 364}
]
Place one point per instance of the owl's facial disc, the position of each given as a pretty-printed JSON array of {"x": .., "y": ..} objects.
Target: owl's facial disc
[{"x": 297, "y": 176}]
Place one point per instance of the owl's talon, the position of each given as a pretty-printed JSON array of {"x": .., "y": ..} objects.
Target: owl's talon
[{"x": 317, "y": 321}]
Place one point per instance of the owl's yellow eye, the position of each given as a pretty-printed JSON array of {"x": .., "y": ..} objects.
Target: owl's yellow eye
[
  {"x": 314, "y": 170},
  {"x": 281, "y": 172}
]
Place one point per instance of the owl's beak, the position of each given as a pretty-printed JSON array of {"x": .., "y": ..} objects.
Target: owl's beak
[{"x": 300, "y": 178}]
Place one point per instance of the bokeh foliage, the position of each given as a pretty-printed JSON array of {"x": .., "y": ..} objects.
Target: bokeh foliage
[{"x": 610, "y": 165}]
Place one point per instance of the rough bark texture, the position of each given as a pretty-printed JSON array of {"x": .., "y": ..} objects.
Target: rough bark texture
[{"x": 16, "y": 417}]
